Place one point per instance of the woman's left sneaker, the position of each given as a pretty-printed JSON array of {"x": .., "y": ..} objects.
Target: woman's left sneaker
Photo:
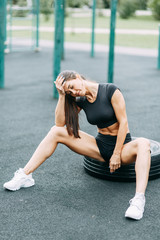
[{"x": 136, "y": 208}]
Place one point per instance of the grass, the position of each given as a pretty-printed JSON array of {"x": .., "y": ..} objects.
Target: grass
[
  {"x": 135, "y": 22},
  {"x": 138, "y": 41},
  {"x": 130, "y": 40}
]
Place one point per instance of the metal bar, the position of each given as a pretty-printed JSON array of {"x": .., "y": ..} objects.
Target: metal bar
[
  {"x": 10, "y": 25},
  {"x": 159, "y": 49},
  {"x": 93, "y": 27},
  {"x": 62, "y": 29},
  {"x": 112, "y": 41},
  {"x": 57, "y": 42},
  {"x": 37, "y": 24},
  {"x": 33, "y": 25},
  {"x": 2, "y": 40},
  {"x": 5, "y": 26}
]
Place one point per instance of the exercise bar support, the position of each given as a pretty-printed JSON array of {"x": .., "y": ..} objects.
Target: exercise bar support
[
  {"x": 93, "y": 27},
  {"x": 58, "y": 11},
  {"x": 159, "y": 49},
  {"x": 112, "y": 41},
  {"x": 62, "y": 30},
  {"x": 37, "y": 24},
  {"x": 2, "y": 40}
]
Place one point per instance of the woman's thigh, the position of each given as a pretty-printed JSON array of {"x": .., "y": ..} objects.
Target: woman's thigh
[
  {"x": 129, "y": 152},
  {"x": 85, "y": 145}
]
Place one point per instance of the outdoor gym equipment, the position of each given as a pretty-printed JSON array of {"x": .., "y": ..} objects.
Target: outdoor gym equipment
[
  {"x": 6, "y": 37},
  {"x": 93, "y": 27},
  {"x": 15, "y": 34},
  {"x": 59, "y": 38},
  {"x": 159, "y": 50},
  {"x": 58, "y": 41},
  {"x": 125, "y": 173},
  {"x": 2, "y": 40}
]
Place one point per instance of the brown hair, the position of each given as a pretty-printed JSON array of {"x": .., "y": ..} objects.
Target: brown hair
[{"x": 71, "y": 110}]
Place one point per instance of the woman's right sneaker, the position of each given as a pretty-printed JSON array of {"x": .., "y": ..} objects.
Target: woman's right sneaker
[{"x": 20, "y": 180}]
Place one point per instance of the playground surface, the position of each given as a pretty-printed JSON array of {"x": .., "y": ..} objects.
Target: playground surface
[{"x": 66, "y": 203}]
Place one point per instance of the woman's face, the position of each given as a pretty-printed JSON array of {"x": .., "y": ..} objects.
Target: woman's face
[{"x": 74, "y": 87}]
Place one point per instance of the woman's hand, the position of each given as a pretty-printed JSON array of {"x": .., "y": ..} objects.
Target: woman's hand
[
  {"x": 115, "y": 162},
  {"x": 60, "y": 85}
]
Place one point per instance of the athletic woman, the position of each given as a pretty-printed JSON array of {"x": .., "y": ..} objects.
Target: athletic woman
[{"x": 104, "y": 107}]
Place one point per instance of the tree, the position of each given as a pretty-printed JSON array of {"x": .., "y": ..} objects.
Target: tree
[
  {"x": 46, "y": 8},
  {"x": 154, "y": 5},
  {"x": 77, "y": 3},
  {"x": 106, "y": 3},
  {"x": 126, "y": 8}
]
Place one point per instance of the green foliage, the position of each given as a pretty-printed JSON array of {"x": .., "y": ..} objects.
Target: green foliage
[
  {"x": 100, "y": 4},
  {"x": 141, "y": 4},
  {"x": 20, "y": 12},
  {"x": 77, "y": 3},
  {"x": 106, "y": 3},
  {"x": 154, "y": 5},
  {"x": 126, "y": 8},
  {"x": 46, "y": 8},
  {"x": 15, "y": 2}
]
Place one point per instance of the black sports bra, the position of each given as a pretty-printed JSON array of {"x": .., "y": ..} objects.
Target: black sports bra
[{"x": 100, "y": 112}]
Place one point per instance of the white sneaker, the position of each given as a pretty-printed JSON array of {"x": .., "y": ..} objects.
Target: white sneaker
[
  {"x": 20, "y": 180},
  {"x": 136, "y": 208}
]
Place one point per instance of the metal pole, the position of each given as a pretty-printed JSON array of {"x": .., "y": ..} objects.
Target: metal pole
[
  {"x": 62, "y": 29},
  {"x": 37, "y": 25},
  {"x": 159, "y": 49},
  {"x": 112, "y": 41},
  {"x": 93, "y": 27},
  {"x": 57, "y": 42},
  {"x": 5, "y": 26},
  {"x": 10, "y": 25},
  {"x": 2, "y": 40}
]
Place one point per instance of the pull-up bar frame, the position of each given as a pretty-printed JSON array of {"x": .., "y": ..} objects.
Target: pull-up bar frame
[
  {"x": 59, "y": 38},
  {"x": 2, "y": 39}
]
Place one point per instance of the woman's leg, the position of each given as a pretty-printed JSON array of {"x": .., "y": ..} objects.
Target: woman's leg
[
  {"x": 138, "y": 151},
  {"x": 85, "y": 145}
]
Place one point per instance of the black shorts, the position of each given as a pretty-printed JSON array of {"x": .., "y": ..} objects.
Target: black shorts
[{"x": 106, "y": 145}]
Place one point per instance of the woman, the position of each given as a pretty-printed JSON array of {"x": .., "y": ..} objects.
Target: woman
[{"x": 104, "y": 106}]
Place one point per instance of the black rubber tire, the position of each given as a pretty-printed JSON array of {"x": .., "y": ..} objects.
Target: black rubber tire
[{"x": 125, "y": 173}]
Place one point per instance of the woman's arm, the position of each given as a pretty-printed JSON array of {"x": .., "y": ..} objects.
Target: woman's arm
[
  {"x": 118, "y": 104},
  {"x": 60, "y": 111},
  {"x": 60, "y": 108}
]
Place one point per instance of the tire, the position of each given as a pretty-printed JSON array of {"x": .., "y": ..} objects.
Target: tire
[{"x": 125, "y": 173}]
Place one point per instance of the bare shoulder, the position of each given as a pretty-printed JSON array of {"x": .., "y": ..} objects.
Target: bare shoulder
[{"x": 117, "y": 97}]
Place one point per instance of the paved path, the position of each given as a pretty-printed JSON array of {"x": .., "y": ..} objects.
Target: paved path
[
  {"x": 88, "y": 30},
  {"x": 19, "y": 44}
]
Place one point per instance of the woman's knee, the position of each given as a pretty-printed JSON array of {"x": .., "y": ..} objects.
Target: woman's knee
[
  {"x": 57, "y": 132},
  {"x": 143, "y": 143}
]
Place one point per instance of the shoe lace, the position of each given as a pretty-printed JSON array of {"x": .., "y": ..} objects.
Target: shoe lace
[
  {"x": 17, "y": 174},
  {"x": 137, "y": 202}
]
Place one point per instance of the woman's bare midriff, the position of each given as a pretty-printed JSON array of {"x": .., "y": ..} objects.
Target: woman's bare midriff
[{"x": 111, "y": 130}]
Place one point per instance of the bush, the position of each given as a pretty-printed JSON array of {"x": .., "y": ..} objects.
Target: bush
[
  {"x": 126, "y": 8},
  {"x": 154, "y": 5},
  {"x": 20, "y": 12},
  {"x": 46, "y": 8},
  {"x": 77, "y": 3},
  {"x": 141, "y": 4},
  {"x": 106, "y": 3}
]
